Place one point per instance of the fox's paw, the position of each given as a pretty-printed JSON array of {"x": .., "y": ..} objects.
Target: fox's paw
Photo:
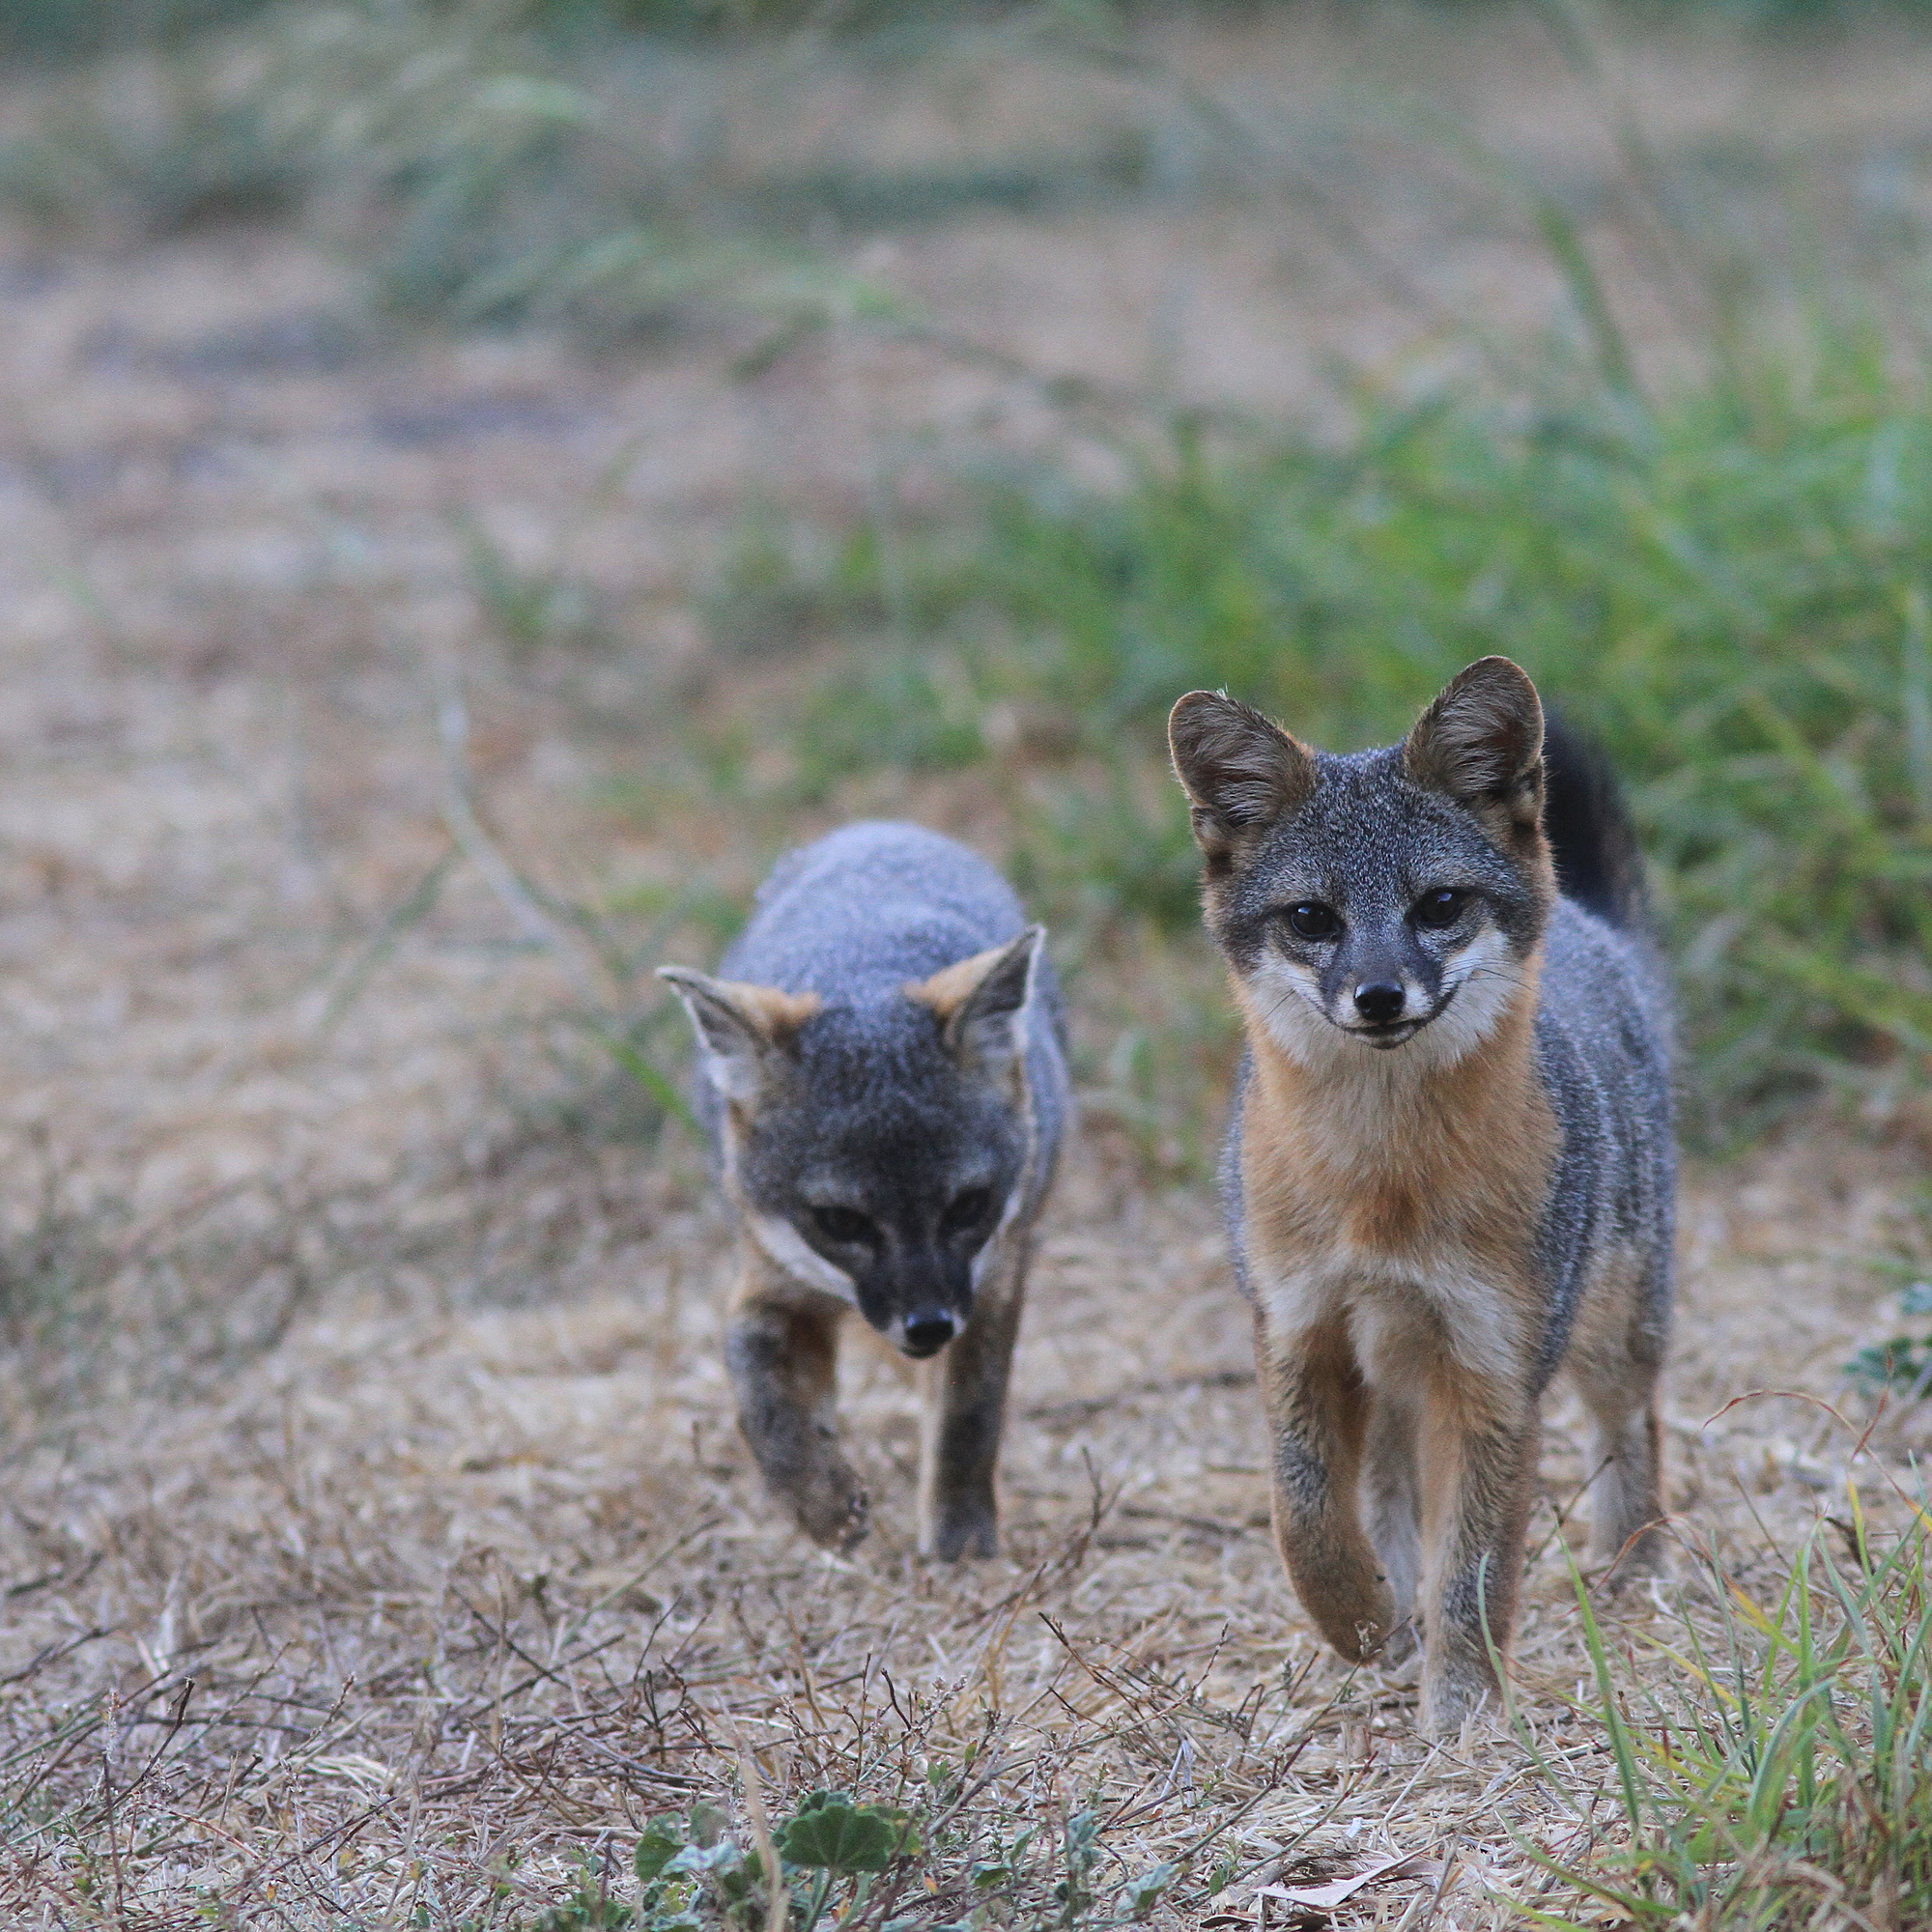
[
  {"x": 961, "y": 1531},
  {"x": 834, "y": 1511},
  {"x": 1360, "y": 1622},
  {"x": 1451, "y": 1697}
]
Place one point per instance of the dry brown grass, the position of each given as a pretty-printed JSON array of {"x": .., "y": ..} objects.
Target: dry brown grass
[
  {"x": 430, "y": 1599},
  {"x": 376, "y": 1544}
]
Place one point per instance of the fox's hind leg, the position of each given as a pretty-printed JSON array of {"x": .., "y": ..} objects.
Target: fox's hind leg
[
  {"x": 783, "y": 1351},
  {"x": 1391, "y": 1490},
  {"x": 1616, "y": 1359},
  {"x": 965, "y": 1391},
  {"x": 1625, "y": 1459},
  {"x": 1625, "y": 1499},
  {"x": 1318, "y": 1412}
]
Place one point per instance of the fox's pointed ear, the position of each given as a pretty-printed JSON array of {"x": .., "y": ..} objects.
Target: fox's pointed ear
[
  {"x": 1481, "y": 743},
  {"x": 983, "y": 1002},
  {"x": 741, "y": 1029},
  {"x": 1241, "y": 773}
]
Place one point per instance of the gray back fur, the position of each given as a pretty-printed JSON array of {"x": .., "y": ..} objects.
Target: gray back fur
[
  {"x": 875, "y": 1112},
  {"x": 870, "y": 906},
  {"x": 1604, "y": 1039}
]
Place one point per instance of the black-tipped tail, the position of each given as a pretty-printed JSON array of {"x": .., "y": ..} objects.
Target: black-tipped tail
[{"x": 1589, "y": 829}]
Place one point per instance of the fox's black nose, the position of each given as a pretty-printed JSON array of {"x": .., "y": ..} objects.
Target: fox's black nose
[
  {"x": 1378, "y": 1000},
  {"x": 928, "y": 1332}
]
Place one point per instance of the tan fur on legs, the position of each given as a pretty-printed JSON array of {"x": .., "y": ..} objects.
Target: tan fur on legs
[
  {"x": 1318, "y": 1412},
  {"x": 1392, "y": 1496},
  {"x": 783, "y": 1351},
  {"x": 1395, "y": 1218},
  {"x": 1478, "y": 1477}
]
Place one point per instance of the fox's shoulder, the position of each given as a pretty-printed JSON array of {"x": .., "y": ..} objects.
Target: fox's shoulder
[{"x": 1604, "y": 996}]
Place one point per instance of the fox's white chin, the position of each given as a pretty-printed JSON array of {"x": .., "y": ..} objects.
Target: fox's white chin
[{"x": 1483, "y": 983}]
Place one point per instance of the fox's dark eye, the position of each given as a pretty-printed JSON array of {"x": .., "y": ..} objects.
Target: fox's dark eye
[
  {"x": 1312, "y": 920},
  {"x": 965, "y": 1211},
  {"x": 1439, "y": 909},
  {"x": 845, "y": 1225}
]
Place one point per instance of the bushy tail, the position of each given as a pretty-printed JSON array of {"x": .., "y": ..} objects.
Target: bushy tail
[{"x": 1589, "y": 829}]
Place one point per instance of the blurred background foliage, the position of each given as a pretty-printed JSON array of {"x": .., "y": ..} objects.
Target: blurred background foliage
[
  {"x": 79, "y": 29},
  {"x": 1723, "y": 562}
]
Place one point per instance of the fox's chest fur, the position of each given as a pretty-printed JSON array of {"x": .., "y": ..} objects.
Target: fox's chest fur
[{"x": 1400, "y": 1194}]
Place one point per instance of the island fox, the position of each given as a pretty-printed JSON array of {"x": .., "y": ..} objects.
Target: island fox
[
  {"x": 1450, "y": 1169},
  {"x": 884, "y": 1085}
]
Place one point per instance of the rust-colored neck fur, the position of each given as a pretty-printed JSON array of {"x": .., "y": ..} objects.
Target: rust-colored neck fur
[{"x": 1392, "y": 1161}]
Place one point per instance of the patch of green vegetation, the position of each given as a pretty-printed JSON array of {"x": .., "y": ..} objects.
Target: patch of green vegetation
[
  {"x": 1903, "y": 1363},
  {"x": 481, "y": 173},
  {"x": 1730, "y": 587},
  {"x": 80, "y": 29},
  {"x": 782, "y": 585},
  {"x": 528, "y": 609},
  {"x": 1778, "y": 1777},
  {"x": 1107, "y": 845},
  {"x": 692, "y": 1872},
  {"x": 859, "y": 1859},
  {"x": 910, "y": 710}
]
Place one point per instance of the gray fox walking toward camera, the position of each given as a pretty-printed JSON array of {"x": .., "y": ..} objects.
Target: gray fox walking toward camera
[
  {"x": 1451, "y": 1167},
  {"x": 884, "y": 1083}
]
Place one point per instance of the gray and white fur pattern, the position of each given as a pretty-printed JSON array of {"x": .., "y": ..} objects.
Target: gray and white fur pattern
[
  {"x": 885, "y": 1091},
  {"x": 1450, "y": 1170}
]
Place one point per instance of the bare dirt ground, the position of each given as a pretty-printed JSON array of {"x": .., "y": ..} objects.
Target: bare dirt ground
[{"x": 375, "y": 1541}]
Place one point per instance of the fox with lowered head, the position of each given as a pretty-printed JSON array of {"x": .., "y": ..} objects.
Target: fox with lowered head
[
  {"x": 1451, "y": 1169},
  {"x": 884, "y": 1083}
]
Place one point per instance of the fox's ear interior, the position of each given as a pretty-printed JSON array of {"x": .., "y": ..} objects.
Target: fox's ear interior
[
  {"x": 981, "y": 1002},
  {"x": 741, "y": 1029},
  {"x": 1481, "y": 742},
  {"x": 1241, "y": 772}
]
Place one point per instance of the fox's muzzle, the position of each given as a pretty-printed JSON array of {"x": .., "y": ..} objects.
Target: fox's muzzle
[{"x": 919, "y": 1298}]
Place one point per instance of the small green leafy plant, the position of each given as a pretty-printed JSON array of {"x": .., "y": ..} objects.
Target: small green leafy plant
[
  {"x": 838, "y": 1838},
  {"x": 1902, "y": 1363},
  {"x": 693, "y": 1873}
]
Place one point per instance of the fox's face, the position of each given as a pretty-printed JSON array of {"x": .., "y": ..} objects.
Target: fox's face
[
  {"x": 876, "y": 1151},
  {"x": 1386, "y": 901}
]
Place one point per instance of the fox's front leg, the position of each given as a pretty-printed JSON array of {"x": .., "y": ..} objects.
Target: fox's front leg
[
  {"x": 965, "y": 1392},
  {"x": 1479, "y": 1449},
  {"x": 783, "y": 1351},
  {"x": 1391, "y": 1490},
  {"x": 1318, "y": 1412}
]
